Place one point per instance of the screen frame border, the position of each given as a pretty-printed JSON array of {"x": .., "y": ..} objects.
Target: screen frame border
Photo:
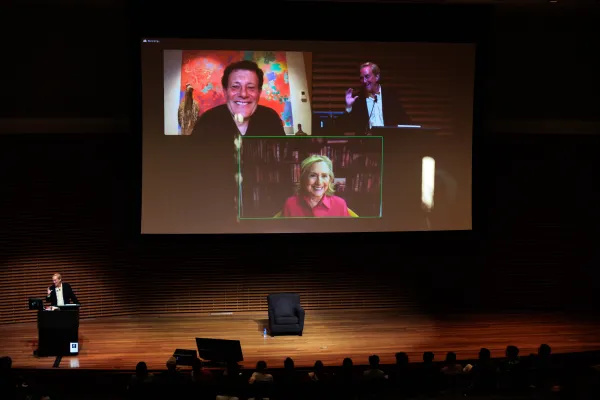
[{"x": 422, "y": 23}]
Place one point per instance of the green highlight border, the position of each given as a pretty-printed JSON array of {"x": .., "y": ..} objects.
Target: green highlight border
[{"x": 239, "y": 161}]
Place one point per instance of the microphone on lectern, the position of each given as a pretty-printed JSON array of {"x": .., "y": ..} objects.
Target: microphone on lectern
[{"x": 368, "y": 127}]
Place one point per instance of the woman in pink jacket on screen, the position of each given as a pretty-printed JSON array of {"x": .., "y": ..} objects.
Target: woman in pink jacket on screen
[{"x": 315, "y": 194}]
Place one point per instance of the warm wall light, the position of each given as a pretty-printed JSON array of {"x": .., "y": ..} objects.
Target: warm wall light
[{"x": 428, "y": 183}]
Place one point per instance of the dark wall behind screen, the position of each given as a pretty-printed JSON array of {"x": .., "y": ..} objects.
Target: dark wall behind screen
[
  {"x": 542, "y": 63},
  {"x": 70, "y": 202}
]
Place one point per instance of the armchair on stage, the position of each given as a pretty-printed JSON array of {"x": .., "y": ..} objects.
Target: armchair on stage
[{"x": 286, "y": 315}]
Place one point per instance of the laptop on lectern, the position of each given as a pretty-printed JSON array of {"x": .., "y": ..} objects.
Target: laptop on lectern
[{"x": 36, "y": 304}]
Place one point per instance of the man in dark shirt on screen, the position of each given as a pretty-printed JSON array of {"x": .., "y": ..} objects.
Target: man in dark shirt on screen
[
  {"x": 216, "y": 139},
  {"x": 241, "y": 114}
]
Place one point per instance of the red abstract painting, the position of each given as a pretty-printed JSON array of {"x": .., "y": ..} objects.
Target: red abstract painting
[{"x": 203, "y": 69}]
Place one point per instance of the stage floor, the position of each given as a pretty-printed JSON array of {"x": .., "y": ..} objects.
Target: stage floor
[{"x": 118, "y": 343}]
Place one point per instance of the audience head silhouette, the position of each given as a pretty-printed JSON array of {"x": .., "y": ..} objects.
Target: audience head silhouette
[
  {"x": 261, "y": 366},
  {"x": 288, "y": 364},
  {"x": 401, "y": 358},
  {"x": 512, "y": 352},
  {"x": 451, "y": 357},
  {"x": 141, "y": 369},
  {"x": 544, "y": 350},
  {"x": 485, "y": 354},
  {"x": 172, "y": 365},
  {"x": 428, "y": 357},
  {"x": 374, "y": 361},
  {"x": 319, "y": 366}
]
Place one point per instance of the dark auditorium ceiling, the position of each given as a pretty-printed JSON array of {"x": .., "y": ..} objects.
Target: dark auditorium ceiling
[
  {"x": 501, "y": 3},
  {"x": 496, "y": 2},
  {"x": 123, "y": 3}
]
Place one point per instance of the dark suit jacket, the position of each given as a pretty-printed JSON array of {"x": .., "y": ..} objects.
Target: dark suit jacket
[
  {"x": 68, "y": 295},
  {"x": 393, "y": 113}
]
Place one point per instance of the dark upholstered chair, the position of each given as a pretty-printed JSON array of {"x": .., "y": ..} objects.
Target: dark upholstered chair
[{"x": 286, "y": 315}]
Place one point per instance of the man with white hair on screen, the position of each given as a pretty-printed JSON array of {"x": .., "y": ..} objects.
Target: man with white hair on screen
[{"x": 373, "y": 104}]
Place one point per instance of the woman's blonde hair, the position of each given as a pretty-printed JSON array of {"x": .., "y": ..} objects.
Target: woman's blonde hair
[{"x": 305, "y": 168}]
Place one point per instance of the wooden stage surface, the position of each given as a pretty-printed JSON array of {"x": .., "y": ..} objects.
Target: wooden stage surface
[{"x": 118, "y": 343}]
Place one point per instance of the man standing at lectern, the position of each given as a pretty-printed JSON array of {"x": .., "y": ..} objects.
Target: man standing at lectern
[
  {"x": 370, "y": 106},
  {"x": 60, "y": 293}
]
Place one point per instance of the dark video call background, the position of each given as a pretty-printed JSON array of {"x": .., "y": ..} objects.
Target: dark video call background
[{"x": 191, "y": 185}]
